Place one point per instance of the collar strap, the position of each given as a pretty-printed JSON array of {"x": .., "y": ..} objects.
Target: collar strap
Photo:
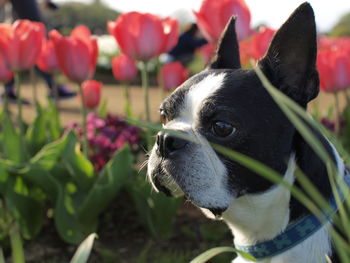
[{"x": 297, "y": 231}]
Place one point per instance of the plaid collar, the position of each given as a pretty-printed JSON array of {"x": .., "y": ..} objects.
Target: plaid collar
[{"x": 297, "y": 231}]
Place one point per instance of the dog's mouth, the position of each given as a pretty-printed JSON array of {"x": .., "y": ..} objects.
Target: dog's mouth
[{"x": 161, "y": 187}]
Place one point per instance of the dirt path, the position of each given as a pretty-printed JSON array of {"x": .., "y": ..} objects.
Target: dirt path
[{"x": 70, "y": 109}]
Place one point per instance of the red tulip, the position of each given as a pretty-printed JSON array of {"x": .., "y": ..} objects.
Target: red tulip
[
  {"x": 172, "y": 75},
  {"x": 144, "y": 36},
  {"x": 47, "y": 60},
  {"x": 261, "y": 41},
  {"x": 207, "y": 52},
  {"x": 92, "y": 93},
  {"x": 334, "y": 68},
  {"x": 21, "y": 43},
  {"x": 214, "y": 15},
  {"x": 329, "y": 43},
  {"x": 76, "y": 54},
  {"x": 124, "y": 68},
  {"x": 246, "y": 52},
  {"x": 5, "y": 73}
]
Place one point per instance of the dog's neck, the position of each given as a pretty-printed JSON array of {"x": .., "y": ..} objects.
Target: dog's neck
[
  {"x": 259, "y": 217},
  {"x": 256, "y": 217}
]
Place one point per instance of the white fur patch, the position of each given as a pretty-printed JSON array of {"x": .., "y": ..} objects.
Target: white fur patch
[{"x": 257, "y": 217}]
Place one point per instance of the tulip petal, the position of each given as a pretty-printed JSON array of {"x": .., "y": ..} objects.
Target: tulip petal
[{"x": 171, "y": 32}]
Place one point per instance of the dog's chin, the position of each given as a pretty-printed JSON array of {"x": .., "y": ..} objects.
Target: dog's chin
[{"x": 173, "y": 190}]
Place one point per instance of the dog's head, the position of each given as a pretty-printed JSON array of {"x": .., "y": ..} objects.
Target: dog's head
[{"x": 229, "y": 106}]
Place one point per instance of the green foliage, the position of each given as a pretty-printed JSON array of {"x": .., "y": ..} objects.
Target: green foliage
[
  {"x": 156, "y": 210},
  {"x": 56, "y": 173},
  {"x": 71, "y": 14},
  {"x": 342, "y": 28}
]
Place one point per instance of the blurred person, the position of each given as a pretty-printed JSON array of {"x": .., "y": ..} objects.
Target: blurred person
[
  {"x": 29, "y": 9},
  {"x": 189, "y": 41}
]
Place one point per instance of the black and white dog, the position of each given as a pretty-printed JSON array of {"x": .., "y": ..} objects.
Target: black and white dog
[{"x": 229, "y": 106}]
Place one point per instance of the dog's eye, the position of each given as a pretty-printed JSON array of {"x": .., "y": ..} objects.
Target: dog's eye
[
  {"x": 222, "y": 129},
  {"x": 163, "y": 117}
]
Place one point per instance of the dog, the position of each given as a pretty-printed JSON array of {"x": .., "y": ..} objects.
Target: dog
[{"x": 229, "y": 106}]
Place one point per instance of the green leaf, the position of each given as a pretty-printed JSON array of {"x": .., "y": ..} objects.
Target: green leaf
[
  {"x": 25, "y": 208},
  {"x": 67, "y": 224},
  {"x": 83, "y": 252},
  {"x": 210, "y": 253},
  {"x": 53, "y": 121},
  {"x": 36, "y": 132},
  {"x": 12, "y": 147},
  {"x": 79, "y": 167},
  {"x": 49, "y": 155},
  {"x": 41, "y": 178},
  {"x": 3, "y": 179},
  {"x": 102, "y": 109},
  {"x": 108, "y": 184}
]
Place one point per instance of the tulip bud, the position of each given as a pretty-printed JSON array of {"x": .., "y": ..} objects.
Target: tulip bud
[
  {"x": 92, "y": 93},
  {"x": 124, "y": 68}
]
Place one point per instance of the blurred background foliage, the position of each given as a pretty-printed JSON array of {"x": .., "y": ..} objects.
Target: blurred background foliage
[
  {"x": 342, "y": 28},
  {"x": 71, "y": 14}
]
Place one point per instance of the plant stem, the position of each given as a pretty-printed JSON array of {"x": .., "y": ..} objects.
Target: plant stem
[
  {"x": 2, "y": 257},
  {"x": 144, "y": 78},
  {"x": 19, "y": 102},
  {"x": 55, "y": 92},
  {"x": 6, "y": 103},
  {"x": 347, "y": 97},
  {"x": 337, "y": 113},
  {"x": 127, "y": 107},
  {"x": 16, "y": 244},
  {"x": 34, "y": 87},
  {"x": 84, "y": 114}
]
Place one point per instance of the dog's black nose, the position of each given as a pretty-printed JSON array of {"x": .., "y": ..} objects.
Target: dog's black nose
[{"x": 169, "y": 145}]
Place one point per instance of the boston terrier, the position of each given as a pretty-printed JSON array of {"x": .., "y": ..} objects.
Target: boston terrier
[{"x": 229, "y": 106}]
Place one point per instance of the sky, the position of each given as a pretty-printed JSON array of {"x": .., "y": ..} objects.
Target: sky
[{"x": 270, "y": 12}]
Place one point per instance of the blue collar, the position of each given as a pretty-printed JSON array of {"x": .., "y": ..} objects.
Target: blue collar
[{"x": 296, "y": 232}]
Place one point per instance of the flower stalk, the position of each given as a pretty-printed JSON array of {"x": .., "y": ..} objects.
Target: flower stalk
[
  {"x": 127, "y": 106},
  {"x": 19, "y": 102},
  {"x": 337, "y": 113},
  {"x": 145, "y": 88},
  {"x": 33, "y": 80},
  {"x": 84, "y": 115},
  {"x": 16, "y": 244}
]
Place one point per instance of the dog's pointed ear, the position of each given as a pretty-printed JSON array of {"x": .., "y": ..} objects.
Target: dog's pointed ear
[
  {"x": 227, "y": 53},
  {"x": 290, "y": 62}
]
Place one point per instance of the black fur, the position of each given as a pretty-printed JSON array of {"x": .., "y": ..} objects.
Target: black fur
[{"x": 263, "y": 132}]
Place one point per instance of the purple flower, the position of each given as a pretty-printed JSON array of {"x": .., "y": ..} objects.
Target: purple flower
[{"x": 107, "y": 136}]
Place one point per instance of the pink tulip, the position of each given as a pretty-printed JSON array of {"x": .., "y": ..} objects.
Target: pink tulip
[
  {"x": 21, "y": 43},
  {"x": 144, "y": 36},
  {"x": 333, "y": 65},
  {"x": 213, "y": 16},
  {"x": 5, "y": 73},
  {"x": 92, "y": 93},
  {"x": 47, "y": 60},
  {"x": 124, "y": 68},
  {"x": 172, "y": 75},
  {"x": 76, "y": 54}
]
